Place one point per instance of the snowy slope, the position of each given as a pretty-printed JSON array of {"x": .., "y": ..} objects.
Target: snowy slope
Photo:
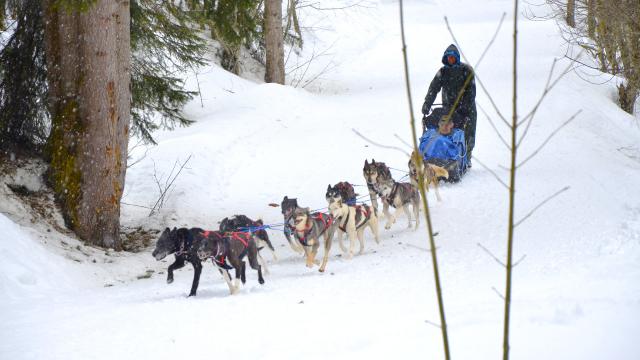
[{"x": 576, "y": 293}]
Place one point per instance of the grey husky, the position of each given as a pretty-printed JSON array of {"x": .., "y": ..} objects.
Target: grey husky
[
  {"x": 308, "y": 228},
  {"x": 288, "y": 206},
  {"x": 400, "y": 195},
  {"x": 376, "y": 173}
]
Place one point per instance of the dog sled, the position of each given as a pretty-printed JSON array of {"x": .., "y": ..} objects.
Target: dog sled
[{"x": 444, "y": 147}]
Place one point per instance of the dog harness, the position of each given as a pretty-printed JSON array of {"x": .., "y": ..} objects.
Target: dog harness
[
  {"x": 185, "y": 245},
  {"x": 326, "y": 222},
  {"x": 219, "y": 259},
  {"x": 394, "y": 190},
  {"x": 364, "y": 210}
]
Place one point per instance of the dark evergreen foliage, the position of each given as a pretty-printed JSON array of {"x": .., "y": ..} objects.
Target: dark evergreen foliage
[
  {"x": 24, "y": 123},
  {"x": 162, "y": 45}
]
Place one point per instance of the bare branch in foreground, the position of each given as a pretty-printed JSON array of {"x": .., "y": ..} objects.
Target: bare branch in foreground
[
  {"x": 491, "y": 254},
  {"x": 380, "y": 145},
  {"x": 495, "y": 129},
  {"x": 492, "y": 172},
  {"x": 549, "y": 138},
  {"x": 540, "y": 205}
]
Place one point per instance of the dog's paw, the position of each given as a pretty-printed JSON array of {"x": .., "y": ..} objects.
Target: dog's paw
[
  {"x": 169, "y": 280},
  {"x": 191, "y": 294},
  {"x": 387, "y": 226},
  {"x": 261, "y": 281}
]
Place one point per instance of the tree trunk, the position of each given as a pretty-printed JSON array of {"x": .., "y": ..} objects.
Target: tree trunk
[
  {"x": 274, "y": 41},
  {"x": 591, "y": 18},
  {"x": 88, "y": 57},
  {"x": 571, "y": 13}
]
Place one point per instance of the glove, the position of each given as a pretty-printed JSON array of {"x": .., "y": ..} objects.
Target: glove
[{"x": 426, "y": 109}]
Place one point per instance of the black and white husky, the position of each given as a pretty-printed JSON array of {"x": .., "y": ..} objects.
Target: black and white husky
[
  {"x": 352, "y": 220},
  {"x": 400, "y": 195}
]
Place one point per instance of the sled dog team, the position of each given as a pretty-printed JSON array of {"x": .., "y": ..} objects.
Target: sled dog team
[{"x": 239, "y": 236}]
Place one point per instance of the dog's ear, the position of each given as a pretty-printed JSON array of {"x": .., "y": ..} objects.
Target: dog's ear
[
  {"x": 285, "y": 198},
  {"x": 329, "y": 187},
  {"x": 373, "y": 161},
  {"x": 366, "y": 162},
  {"x": 259, "y": 221}
]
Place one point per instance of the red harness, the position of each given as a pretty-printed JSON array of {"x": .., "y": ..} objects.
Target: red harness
[
  {"x": 221, "y": 260},
  {"x": 326, "y": 220},
  {"x": 243, "y": 237}
]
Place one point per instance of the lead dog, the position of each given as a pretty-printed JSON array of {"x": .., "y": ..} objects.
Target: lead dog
[
  {"x": 400, "y": 195},
  {"x": 308, "y": 228},
  {"x": 351, "y": 220},
  {"x": 430, "y": 172},
  {"x": 375, "y": 173},
  {"x": 182, "y": 243},
  {"x": 232, "y": 247}
]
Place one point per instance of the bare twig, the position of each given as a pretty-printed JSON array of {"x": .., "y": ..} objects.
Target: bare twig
[
  {"x": 495, "y": 129},
  {"x": 519, "y": 260},
  {"x": 492, "y": 172},
  {"x": 497, "y": 292},
  {"x": 512, "y": 188},
  {"x": 540, "y": 205},
  {"x": 548, "y": 87},
  {"x": 433, "y": 324},
  {"x": 138, "y": 144},
  {"x": 417, "y": 158},
  {"x": 491, "y": 254},
  {"x": 140, "y": 206},
  {"x": 549, "y": 138},
  {"x": 378, "y": 144},
  {"x": 402, "y": 141},
  {"x": 168, "y": 184}
]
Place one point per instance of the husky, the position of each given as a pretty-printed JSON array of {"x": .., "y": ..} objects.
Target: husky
[
  {"x": 352, "y": 220},
  {"x": 308, "y": 228},
  {"x": 399, "y": 195},
  {"x": 183, "y": 243},
  {"x": 231, "y": 247},
  {"x": 375, "y": 173},
  {"x": 288, "y": 206},
  {"x": 346, "y": 191},
  {"x": 244, "y": 223},
  {"x": 432, "y": 174}
]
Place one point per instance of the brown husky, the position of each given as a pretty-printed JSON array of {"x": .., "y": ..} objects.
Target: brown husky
[
  {"x": 431, "y": 173},
  {"x": 308, "y": 228}
]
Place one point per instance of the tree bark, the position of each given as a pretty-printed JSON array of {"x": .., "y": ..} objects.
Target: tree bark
[
  {"x": 88, "y": 57},
  {"x": 571, "y": 13},
  {"x": 274, "y": 38},
  {"x": 591, "y": 19}
]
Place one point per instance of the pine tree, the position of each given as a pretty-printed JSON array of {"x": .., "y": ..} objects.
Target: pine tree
[
  {"x": 23, "y": 88},
  {"x": 163, "y": 46}
]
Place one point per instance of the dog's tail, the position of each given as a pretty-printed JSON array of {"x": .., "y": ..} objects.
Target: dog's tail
[{"x": 439, "y": 171}]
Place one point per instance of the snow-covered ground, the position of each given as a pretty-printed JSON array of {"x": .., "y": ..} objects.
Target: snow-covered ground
[{"x": 576, "y": 294}]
